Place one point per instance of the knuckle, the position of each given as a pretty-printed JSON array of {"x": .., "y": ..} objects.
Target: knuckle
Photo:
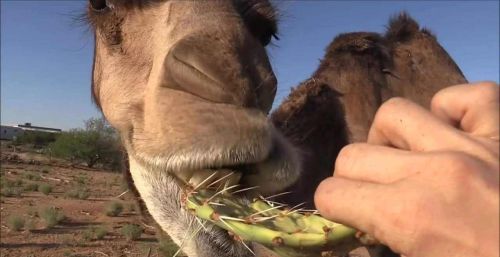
[
  {"x": 488, "y": 84},
  {"x": 487, "y": 89},
  {"x": 349, "y": 150},
  {"x": 389, "y": 107},
  {"x": 392, "y": 103},
  {"x": 459, "y": 166},
  {"x": 440, "y": 99},
  {"x": 346, "y": 157}
]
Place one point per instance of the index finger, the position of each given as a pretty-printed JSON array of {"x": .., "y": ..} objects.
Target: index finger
[
  {"x": 350, "y": 202},
  {"x": 405, "y": 125},
  {"x": 369, "y": 207},
  {"x": 473, "y": 108}
]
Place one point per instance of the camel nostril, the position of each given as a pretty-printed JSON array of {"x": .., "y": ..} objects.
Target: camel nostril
[
  {"x": 185, "y": 70},
  {"x": 220, "y": 73}
]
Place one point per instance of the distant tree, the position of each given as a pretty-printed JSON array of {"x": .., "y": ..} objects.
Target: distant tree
[
  {"x": 96, "y": 143},
  {"x": 37, "y": 139},
  {"x": 101, "y": 126},
  {"x": 108, "y": 142}
]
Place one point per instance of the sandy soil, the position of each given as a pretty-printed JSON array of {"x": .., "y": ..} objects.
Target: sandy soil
[{"x": 68, "y": 237}]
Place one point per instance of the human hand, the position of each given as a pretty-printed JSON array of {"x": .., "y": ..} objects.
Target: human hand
[{"x": 426, "y": 183}]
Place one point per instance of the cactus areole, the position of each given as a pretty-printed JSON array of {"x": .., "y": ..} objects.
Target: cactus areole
[{"x": 289, "y": 232}]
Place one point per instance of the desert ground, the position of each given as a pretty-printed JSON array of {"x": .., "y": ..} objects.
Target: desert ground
[{"x": 52, "y": 208}]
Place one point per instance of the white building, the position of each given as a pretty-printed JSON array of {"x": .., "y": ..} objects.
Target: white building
[{"x": 11, "y": 132}]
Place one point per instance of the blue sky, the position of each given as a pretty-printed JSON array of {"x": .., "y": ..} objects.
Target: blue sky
[{"x": 46, "y": 58}]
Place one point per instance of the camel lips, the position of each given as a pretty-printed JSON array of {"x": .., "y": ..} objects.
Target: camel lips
[{"x": 210, "y": 178}]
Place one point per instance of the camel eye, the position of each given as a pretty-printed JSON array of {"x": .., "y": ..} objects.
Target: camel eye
[
  {"x": 98, "y": 5},
  {"x": 266, "y": 38}
]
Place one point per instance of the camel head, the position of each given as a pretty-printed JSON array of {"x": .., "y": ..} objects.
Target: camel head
[{"x": 188, "y": 85}]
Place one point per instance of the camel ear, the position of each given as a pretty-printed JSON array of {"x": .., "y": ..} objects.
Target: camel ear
[
  {"x": 420, "y": 66},
  {"x": 353, "y": 66},
  {"x": 312, "y": 119}
]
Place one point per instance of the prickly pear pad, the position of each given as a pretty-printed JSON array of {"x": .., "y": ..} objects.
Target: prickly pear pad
[{"x": 287, "y": 231}]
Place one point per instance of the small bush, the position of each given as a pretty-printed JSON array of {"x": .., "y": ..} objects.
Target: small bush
[
  {"x": 114, "y": 209},
  {"x": 97, "y": 143},
  {"x": 51, "y": 216},
  {"x": 31, "y": 176},
  {"x": 131, "y": 231},
  {"x": 100, "y": 232},
  {"x": 32, "y": 212},
  {"x": 6, "y": 182},
  {"x": 78, "y": 193},
  {"x": 82, "y": 180},
  {"x": 88, "y": 234},
  {"x": 36, "y": 138},
  {"x": 31, "y": 187},
  {"x": 131, "y": 207},
  {"x": 19, "y": 182},
  {"x": 96, "y": 233},
  {"x": 15, "y": 223},
  {"x": 45, "y": 170},
  {"x": 11, "y": 192},
  {"x": 167, "y": 247},
  {"x": 30, "y": 225},
  {"x": 124, "y": 185},
  {"x": 45, "y": 189}
]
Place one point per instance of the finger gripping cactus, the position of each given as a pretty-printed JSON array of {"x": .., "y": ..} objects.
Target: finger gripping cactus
[{"x": 289, "y": 232}]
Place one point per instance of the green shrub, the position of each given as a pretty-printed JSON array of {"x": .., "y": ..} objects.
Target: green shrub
[
  {"x": 167, "y": 247},
  {"x": 51, "y": 216},
  {"x": 36, "y": 138},
  {"x": 31, "y": 176},
  {"x": 96, "y": 143},
  {"x": 11, "y": 192},
  {"x": 32, "y": 212},
  {"x": 124, "y": 185},
  {"x": 30, "y": 187},
  {"x": 131, "y": 207},
  {"x": 88, "y": 234},
  {"x": 114, "y": 209},
  {"x": 19, "y": 182},
  {"x": 82, "y": 180},
  {"x": 100, "y": 232},
  {"x": 131, "y": 231},
  {"x": 30, "y": 225},
  {"x": 15, "y": 223},
  {"x": 78, "y": 193},
  {"x": 96, "y": 233},
  {"x": 45, "y": 189},
  {"x": 4, "y": 182}
]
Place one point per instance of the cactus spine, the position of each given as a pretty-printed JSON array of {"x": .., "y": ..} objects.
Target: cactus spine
[{"x": 287, "y": 232}]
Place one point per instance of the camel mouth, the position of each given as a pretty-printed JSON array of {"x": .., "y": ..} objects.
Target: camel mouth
[
  {"x": 279, "y": 168},
  {"x": 213, "y": 178}
]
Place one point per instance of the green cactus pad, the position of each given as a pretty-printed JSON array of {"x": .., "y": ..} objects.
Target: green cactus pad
[{"x": 289, "y": 232}]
